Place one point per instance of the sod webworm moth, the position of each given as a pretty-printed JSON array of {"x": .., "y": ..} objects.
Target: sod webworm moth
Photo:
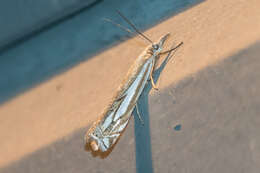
[{"x": 105, "y": 132}]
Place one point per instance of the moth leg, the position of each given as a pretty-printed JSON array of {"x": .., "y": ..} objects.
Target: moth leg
[
  {"x": 121, "y": 97},
  {"x": 167, "y": 59},
  {"x": 151, "y": 78},
  {"x": 139, "y": 115}
]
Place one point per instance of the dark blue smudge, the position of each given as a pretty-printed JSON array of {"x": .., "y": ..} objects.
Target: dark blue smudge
[{"x": 177, "y": 127}]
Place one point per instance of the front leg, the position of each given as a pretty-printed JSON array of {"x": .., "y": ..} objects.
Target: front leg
[{"x": 168, "y": 51}]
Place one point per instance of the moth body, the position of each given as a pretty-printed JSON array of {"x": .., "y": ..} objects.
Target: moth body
[{"x": 104, "y": 133}]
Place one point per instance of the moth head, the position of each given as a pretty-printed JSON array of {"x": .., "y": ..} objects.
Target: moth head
[{"x": 157, "y": 47}]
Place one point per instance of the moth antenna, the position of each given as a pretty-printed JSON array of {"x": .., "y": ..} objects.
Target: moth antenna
[
  {"x": 118, "y": 25},
  {"x": 133, "y": 26}
]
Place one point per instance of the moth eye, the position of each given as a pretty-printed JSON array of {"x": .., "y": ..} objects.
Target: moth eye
[{"x": 156, "y": 46}]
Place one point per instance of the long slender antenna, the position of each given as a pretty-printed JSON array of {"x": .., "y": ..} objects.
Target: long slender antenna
[
  {"x": 118, "y": 25},
  {"x": 133, "y": 26}
]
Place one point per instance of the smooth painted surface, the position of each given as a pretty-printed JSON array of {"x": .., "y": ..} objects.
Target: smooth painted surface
[
  {"x": 19, "y": 18},
  {"x": 218, "y": 108},
  {"x": 43, "y": 129},
  {"x": 60, "y": 47}
]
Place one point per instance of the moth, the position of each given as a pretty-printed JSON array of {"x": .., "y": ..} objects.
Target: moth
[{"x": 105, "y": 132}]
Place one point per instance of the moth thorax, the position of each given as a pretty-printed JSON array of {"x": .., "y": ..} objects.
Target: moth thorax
[{"x": 94, "y": 145}]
